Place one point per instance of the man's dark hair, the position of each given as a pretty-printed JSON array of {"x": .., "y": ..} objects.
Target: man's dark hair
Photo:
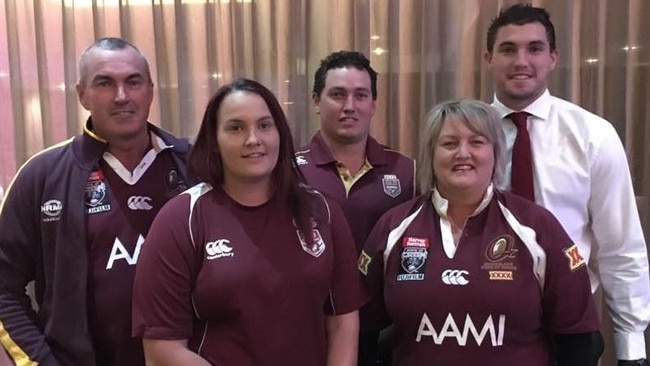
[
  {"x": 343, "y": 59},
  {"x": 520, "y": 14},
  {"x": 109, "y": 44}
]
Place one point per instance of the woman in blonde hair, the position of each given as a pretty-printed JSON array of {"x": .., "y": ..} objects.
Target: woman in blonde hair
[{"x": 471, "y": 275}]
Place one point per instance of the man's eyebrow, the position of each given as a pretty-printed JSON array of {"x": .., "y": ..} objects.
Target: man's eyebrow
[
  {"x": 506, "y": 43},
  {"x": 101, "y": 77}
]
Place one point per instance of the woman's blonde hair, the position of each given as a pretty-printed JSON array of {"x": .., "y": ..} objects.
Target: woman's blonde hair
[{"x": 480, "y": 117}]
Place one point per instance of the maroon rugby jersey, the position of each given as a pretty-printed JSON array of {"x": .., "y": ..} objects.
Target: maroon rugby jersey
[
  {"x": 390, "y": 182},
  {"x": 238, "y": 283},
  {"x": 496, "y": 301},
  {"x": 119, "y": 215}
]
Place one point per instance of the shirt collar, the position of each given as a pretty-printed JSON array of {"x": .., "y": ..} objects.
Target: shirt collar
[
  {"x": 442, "y": 205},
  {"x": 375, "y": 153},
  {"x": 540, "y": 108},
  {"x": 158, "y": 144}
]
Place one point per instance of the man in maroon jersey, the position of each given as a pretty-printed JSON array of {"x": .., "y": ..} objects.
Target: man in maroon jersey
[
  {"x": 344, "y": 162},
  {"x": 76, "y": 215}
]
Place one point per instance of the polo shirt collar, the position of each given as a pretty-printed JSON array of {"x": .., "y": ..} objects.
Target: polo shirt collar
[{"x": 375, "y": 152}]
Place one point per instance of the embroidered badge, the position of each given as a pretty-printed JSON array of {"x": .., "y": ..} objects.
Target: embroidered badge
[
  {"x": 364, "y": 262},
  {"x": 391, "y": 185},
  {"x": 501, "y": 248},
  {"x": 500, "y": 255},
  {"x": 575, "y": 259},
  {"x": 316, "y": 246},
  {"x": 172, "y": 179},
  {"x": 413, "y": 259},
  {"x": 97, "y": 199}
]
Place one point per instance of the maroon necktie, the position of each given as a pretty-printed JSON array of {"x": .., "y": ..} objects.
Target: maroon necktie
[{"x": 522, "y": 161}]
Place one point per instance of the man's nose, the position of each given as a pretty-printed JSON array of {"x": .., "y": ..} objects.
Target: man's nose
[{"x": 120, "y": 94}]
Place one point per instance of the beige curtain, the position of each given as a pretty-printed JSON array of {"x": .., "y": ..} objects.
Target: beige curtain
[{"x": 425, "y": 51}]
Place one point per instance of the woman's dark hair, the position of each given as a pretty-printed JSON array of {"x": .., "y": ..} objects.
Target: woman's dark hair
[{"x": 205, "y": 160}]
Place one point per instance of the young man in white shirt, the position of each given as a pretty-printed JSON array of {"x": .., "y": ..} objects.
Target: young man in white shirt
[{"x": 579, "y": 170}]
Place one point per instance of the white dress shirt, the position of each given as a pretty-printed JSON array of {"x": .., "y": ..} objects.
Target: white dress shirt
[{"x": 581, "y": 174}]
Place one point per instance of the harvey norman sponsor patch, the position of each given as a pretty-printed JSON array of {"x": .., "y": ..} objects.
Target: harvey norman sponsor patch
[{"x": 413, "y": 258}]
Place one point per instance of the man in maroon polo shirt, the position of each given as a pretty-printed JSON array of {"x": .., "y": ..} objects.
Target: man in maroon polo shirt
[{"x": 344, "y": 162}]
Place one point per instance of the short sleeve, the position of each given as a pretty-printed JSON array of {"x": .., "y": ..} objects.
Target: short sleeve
[
  {"x": 568, "y": 303},
  {"x": 165, "y": 275},
  {"x": 347, "y": 293},
  {"x": 371, "y": 265}
]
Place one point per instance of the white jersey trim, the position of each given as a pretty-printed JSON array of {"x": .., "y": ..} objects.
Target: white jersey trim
[
  {"x": 195, "y": 193},
  {"x": 525, "y": 233},
  {"x": 396, "y": 233},
  {"x": 529, "y": 238}
]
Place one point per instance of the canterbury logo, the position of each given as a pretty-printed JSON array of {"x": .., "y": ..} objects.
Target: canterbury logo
[
  {"x": 454, "y": 277},
  {"x": 300, "y": 160},
  {"x": 218, "y": 248},
  {"x": 139, "y": 203}
]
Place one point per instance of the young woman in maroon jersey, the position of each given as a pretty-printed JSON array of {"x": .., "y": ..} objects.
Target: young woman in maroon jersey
[
  {"x": 471, "y": 275},
  {"x": 250, "y": 267}
]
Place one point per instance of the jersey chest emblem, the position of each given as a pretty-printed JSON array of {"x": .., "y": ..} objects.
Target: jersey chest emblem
[
  {"x": 413, "y": 258},
  {"x": 315, "y": 246},
  {"x": 500, "y": 258},
  {"x": 391, "y": 185},
  {"x": 97, "y": 198}
]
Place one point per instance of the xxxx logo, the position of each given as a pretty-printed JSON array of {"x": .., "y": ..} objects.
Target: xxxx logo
[{"x": 575, "y": 259}]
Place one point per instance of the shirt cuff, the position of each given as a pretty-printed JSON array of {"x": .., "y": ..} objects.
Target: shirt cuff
[{"x": 629, "y": 346}]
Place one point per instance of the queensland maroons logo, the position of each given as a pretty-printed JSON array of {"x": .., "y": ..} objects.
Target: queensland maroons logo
[
  {"x": 97, "y": 199},
  {"x": 313, "y": 243},
  {"x": 391, "y": 185},
  {"x": 413, "y": 258},
  {"x": 501, "y": 248}
]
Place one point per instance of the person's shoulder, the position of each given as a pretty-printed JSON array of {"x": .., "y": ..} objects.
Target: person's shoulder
[
  {"x": 526, "y": 211},
  {"x": 185, "y": 202},
  {"x": 388, "y": 151},
  {"x": 407, "y": 208},
  {"x": 179, "y": 144},
  {"x": 48, "y": 158},
  {"x": 310, "y": 146},
  {"x": 390, "y": 160},
  {"x": 580, "y": 114},
  {"x": 319, "y": 198},
  {"x": 313, "y": 157}
]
